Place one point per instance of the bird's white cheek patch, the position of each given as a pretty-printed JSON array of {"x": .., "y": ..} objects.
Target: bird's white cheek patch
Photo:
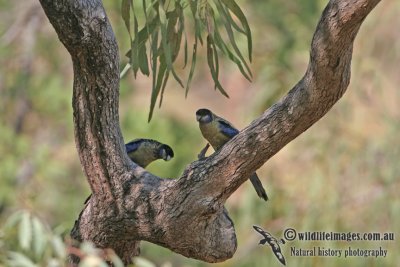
[{"x": 168, "y": 158}]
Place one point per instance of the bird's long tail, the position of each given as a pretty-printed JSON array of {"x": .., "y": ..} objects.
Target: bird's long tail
[{"x": 258, "y": 186}]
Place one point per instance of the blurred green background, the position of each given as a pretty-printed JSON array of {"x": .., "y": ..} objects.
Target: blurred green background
[{"x": 341, "y": 175}]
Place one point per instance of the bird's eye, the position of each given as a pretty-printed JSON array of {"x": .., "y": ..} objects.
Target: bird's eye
[
  {"x": 164, "y": 154},
  {"x": 205, "y": 118}
]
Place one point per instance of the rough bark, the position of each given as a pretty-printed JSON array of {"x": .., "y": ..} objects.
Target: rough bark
[{"x": 185, "y": 215}]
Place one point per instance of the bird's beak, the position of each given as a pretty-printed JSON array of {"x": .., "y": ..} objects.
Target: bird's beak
[
  {"x": 198, "y": 117},
  {"x": 165, "y": 155}
]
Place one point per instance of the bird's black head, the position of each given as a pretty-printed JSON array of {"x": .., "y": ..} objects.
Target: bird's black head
[
  {"x": 166, "y": 152},
  {"x": 204, "y": 115}
]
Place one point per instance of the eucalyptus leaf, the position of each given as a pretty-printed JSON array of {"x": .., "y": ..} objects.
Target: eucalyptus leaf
[
  {"x": 167, "y": 55},
  {"x": 192, "y": 67},
  {"x": 157, "y": 41},
  {"x": 143, "y": 64},
  {"x": 19, "y": 260},
  {"x": 117, "y": 262},
  {"x": 134, "y": 52},
  {"x": 13, "y": 219},
  {"x": 185, "y": 49},
  {"x": 25, "y": 231},
  {"x": 234, "y": 24},
  {"x": 154, "y": 57},
  {"x": 125, "y": 13},
  {"x": 228, "y": 27},
  {"x": 215, "y": 61},
  {"x": 58, "y": 247},
  {"x": 197, "y": 22},
  {"x": 142, "y": 262},
  {"x": 156, "y": 90},
  {"x": 39, "y": 238},
  {"x": 181, "y": 22},
  {"x": 231, "y": 5},
  {"x": 221, "y": 45},
  {"x": 164, "y": 83},
  {"x": 210, "y": 61}
]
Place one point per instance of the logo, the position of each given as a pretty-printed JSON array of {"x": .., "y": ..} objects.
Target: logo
[
  {"x": 290, "y": 234},
  {"x": 272, "y": 242}
]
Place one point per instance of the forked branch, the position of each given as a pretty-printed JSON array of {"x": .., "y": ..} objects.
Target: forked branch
[{"x": 185, "y": 215}]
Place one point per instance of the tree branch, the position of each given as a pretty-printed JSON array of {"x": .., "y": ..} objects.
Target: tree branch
[
  {"x": 324, "y": 83},
  {"x": 185, "y": 215}
]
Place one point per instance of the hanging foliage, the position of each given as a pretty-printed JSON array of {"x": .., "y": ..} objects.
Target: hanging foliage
[{"x": 158, "y": 33}]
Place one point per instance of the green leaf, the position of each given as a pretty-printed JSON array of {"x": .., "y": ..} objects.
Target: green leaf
[
  {"x": 232, "y": 6},
  {"x": 216, "y": 62},
  {"x": 154, "y": 56},
  {"x": 156, "y": 89},
  {"x": 156, "y": 43},
  {"x": 125, "y": 13},
  {"x": 134, "y": 52},
  {"x": 234, "y": 24},
  {"x": 138, "y": 44},
  {"x": 231, "y": 36},
  {"x": 13, "y": 219},
  {"x": 209, "y": 18},
  {"x": 39, "y": 238},
  {"x": 59, "y": 247},
  {"x": 180, "y": 23},
  {"x": 192, "y": 67},
  {"x": 25, "y": 231},
  {"x": 164, "y": 83},
  {"x": 224, "y": 48},
  {"x": 92, "y": 261},
  {"x": 162, "y": 15},
  {"x": 117, "y": 262},
  {"x": 142, "y": 262},
  {"x": 167, "y": 48},
  {"x": 17, "y": 259},
  {"x": 88, "y": 247},
  {"x": 174, "y": 40},
  {"x": 137, "y": 54},
  {"x": 146, "y": 31},
  {"x": 193, "y": 8},
  {"x": 197, "y": 21},
  {"x": 143, "y": 63},
  {"x": 185, "y": 58},
  {"x": 210, "y": 61},
  {"x": 182, "y": 29}
]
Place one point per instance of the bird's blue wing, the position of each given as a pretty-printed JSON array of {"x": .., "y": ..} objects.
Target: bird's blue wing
[
  {"x": 133, "y": 146},
  {"x": 227, "y": 129}
]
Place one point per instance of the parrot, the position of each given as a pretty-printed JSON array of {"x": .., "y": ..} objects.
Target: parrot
[
  {"x": 145, "y": 151},
  {"x": 217, "y": 131}
]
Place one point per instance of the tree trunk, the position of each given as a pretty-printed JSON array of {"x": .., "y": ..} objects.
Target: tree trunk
[{"x": 187, "y": 214}]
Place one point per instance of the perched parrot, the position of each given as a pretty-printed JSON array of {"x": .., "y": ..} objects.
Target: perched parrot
[
  {"x": 145, "y": 151},
  {"x": 217, "y": 132}
]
